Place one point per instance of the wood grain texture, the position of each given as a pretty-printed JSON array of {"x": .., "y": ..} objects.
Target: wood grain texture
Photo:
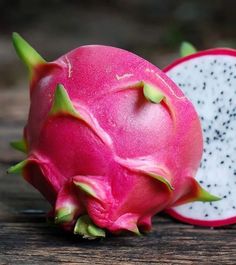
[{"x": 25, "y": 237}]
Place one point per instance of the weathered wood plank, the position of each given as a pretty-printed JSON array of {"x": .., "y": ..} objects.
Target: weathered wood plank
[
  {"x": 167, "y": 244},
  {"x": 27, "y": 239}
]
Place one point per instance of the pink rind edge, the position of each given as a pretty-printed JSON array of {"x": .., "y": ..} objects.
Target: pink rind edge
[
  {"x": 215, "y": 51},
  {"x": 198, "y": 222}
]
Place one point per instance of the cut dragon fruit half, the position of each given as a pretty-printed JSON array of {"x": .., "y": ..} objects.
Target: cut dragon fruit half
[{"x": 208, "y": 79}]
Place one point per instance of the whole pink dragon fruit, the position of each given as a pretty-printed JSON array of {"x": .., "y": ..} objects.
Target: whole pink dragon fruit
[{"x": 110, "y": 139}]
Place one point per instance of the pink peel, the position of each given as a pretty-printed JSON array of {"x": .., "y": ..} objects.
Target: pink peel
[
  {"x": 126, "y": 222},
  {"x": 68, "y": 202},
  {"x": 93, "y": 186}
]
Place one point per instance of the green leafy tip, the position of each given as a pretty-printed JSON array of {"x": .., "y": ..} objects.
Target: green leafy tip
[
  {"x": 86, "y": 188},
  {"x": 95, "y": 231},
  {"x": 64, "y": 215},
  {"x": 87, "y": 229},
  {"x": 162, "y": 179},
  {"x": 26, "y": 53},
  {"x": 62, "y": 102},
  {"x": 19, "y": 145},
  {"x": 152, "y": 94},
  {"x": 17, "y": 168},
  {"x": 195, "y": 193},
  {"x": 186, "y": 49},
  {"x": 135, "y": 230},
  {"x": 205, "y": 196}
]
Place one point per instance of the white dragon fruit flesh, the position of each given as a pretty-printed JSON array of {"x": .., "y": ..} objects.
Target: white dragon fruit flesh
[{"x": 208, "y": 79}]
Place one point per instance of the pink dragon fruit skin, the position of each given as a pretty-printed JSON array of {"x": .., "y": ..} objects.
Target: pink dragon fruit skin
[{"x": 110, "y": 139}]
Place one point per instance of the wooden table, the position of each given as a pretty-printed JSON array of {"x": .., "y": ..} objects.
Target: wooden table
[{"x": 25, "y": 237}]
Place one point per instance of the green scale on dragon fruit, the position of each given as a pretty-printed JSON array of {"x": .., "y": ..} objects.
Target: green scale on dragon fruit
[
  {"x": 208, "y": 79},
  {"x": 110, "y": 140}
]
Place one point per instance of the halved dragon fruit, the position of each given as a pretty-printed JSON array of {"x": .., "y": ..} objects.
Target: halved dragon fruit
[
  {"x": 208, "y": 79},
  {"x": 110, "y": 139}
]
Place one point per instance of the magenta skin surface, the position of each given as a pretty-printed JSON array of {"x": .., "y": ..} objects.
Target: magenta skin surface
[
  {"x": 120, "y": 141},
  {"x": 173, "y": 212}
]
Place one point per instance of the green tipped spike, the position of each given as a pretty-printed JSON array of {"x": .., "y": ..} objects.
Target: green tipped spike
[
  {"x": 136, "y": 231},
  {"x": 64, "y": 215},
  {"x": 162, "y": 179},
  {"x": 86, "y": 188},
  {"x": 19, "y": 145},
  {"x": 205, "y": 196},
  {"x": 81, "y": 226},
  {"x": 26, "y": 53},
  {"x": 85, "y": 227},
  {"x": 95, "y": 231},
  {"x": 152, "y": 94},
  {"x": 62, "y": 102},
  {"x": 17, "y": 168},
  {"x": 195, "y": 193},
  {"x": 186, "y": 49},
  {"x": 202, "y": 194}
]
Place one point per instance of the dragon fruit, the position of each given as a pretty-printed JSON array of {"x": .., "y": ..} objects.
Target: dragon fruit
[
  {"x": 209, "y": 79},
  {"x": 110, "y": 140}
]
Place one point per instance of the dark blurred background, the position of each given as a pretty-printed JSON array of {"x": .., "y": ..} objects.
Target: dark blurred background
[{"x": 151, "y": 28}]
